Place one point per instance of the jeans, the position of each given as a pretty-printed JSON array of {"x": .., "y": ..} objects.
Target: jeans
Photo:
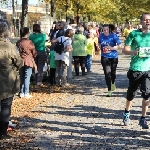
[
  {"x": 109, "y": 67},
  {"x": 40, "y": 62},
  {"x": 61, "y": 72},
  {"x": 5, "y": 109},
  {"x": 88, "y": 62},
  {"x": 25, "y": 74}
]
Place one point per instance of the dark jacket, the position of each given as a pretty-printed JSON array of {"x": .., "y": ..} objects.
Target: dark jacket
[
  {"x": 61, "y": 32},
  {"x": 10, "y": 63}
]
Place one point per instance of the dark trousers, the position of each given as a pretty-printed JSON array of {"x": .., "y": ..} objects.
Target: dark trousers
[
  {"x": 109, "y": 67},
  {"x": 40, "y": 62},
  {"x": 5, "y": 109},
  {"x": 79, "y": 61},
  {"x": 52, "y": 76}
]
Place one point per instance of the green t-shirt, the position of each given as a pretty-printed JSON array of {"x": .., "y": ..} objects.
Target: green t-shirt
[
  {"x": 137, "y": 39},
  {"x": 39, "y": 40},
  {"x": 52, "y": 59}
]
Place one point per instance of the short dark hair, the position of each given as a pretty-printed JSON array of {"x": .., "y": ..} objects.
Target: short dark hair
[
  {"x": 36, "y": 28},
  {"x": 111, "y": 27},
  {"x": 61, "y": 24},
  {"x": 88, "y": 36},
  {"x": 141, "y": 18},
  {"x": 69, "y": 33},
  {"x": 24, "y": 31}
]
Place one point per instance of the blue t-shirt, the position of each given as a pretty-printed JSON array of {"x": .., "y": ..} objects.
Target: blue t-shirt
[{"x": 112, "y": 40}]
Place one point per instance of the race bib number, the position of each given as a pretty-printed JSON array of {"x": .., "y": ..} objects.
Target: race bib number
[
  {"x": 105, "y": 50},
  {"x": 144, "y": 52}
]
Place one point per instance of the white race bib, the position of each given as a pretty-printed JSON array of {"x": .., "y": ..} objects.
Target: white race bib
[{"x": 144, "y": 52}]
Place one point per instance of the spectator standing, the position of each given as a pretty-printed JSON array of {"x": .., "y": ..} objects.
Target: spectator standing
[
  {"x": 61, "y": 30},
  {"x": 127, "y": 30},
  {"x": 89, "y": 51},
  {"x": 52, "y": 67},
  {"x": 28, "y": 53},
  {"x": 79, "y": 52},
  {"x": 62, "y": 60},
  {"x": 39, "y": 40},
  {"x": 10, "y": 64},
  {"x": 91, "y": 30},
  {"x": 53, "y": 32}
]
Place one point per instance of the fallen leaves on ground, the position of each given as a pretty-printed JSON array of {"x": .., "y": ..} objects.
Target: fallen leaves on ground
[{"x": 22, "y": 110}]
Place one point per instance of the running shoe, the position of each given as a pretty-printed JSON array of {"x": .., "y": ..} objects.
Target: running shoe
[
  {"x": 109, "y": 94},
  {"x": 113, "y": 87},
  {"x": 143, "y": 123},
  {"x": 126, "y": 119}
]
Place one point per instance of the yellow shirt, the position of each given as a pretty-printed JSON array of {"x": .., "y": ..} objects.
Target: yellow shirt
[
  {"x": 90, "y": 46},
  {"x": 126, "y": 32}
]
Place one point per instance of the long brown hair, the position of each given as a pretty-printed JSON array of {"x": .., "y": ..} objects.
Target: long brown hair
[{"x": 36, "y": 28}]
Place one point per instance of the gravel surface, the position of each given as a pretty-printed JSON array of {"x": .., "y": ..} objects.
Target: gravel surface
[{"x": 83, "y": 118}]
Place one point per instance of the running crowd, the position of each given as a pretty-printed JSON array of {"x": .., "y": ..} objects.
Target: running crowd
[{"x": 67, "y": 45}]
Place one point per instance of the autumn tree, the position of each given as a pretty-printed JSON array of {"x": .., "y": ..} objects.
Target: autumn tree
[{"x": 99, "y": 10}]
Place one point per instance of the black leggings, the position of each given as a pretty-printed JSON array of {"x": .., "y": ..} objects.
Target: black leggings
[
  {"x": 109, "y": 67},
  {"x": 79, "y": 61},
  {"x": 52, "y": 76}
]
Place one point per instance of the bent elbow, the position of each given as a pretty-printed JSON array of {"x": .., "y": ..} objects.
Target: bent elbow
[{"x": 123, "y": 51}]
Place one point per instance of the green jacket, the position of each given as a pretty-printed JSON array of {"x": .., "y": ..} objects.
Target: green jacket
[
  {"x": 79, "y": 45},
  {"x": 10, "y": 63}
]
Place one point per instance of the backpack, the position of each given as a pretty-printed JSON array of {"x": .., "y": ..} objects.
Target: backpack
[{"x": 59, "y": 46}]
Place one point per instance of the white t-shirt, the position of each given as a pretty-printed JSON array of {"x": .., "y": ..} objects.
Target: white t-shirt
[{"x": 64, "y": 55}]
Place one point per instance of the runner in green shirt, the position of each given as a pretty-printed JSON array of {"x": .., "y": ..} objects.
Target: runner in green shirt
[{"x": 137, "y": 45}]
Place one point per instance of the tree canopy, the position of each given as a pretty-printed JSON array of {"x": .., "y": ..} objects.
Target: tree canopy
[
  {"x": 104, "y": 10},
  {"x": 100, "y": 10}
]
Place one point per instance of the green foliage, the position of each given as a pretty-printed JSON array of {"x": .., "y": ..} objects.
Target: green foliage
[{"x": 101, "y": 10}]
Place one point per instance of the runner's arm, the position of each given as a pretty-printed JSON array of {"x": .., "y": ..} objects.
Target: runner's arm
[
  {"x": 127, "y": 51},
  {"x": 117, "y": 47}
]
